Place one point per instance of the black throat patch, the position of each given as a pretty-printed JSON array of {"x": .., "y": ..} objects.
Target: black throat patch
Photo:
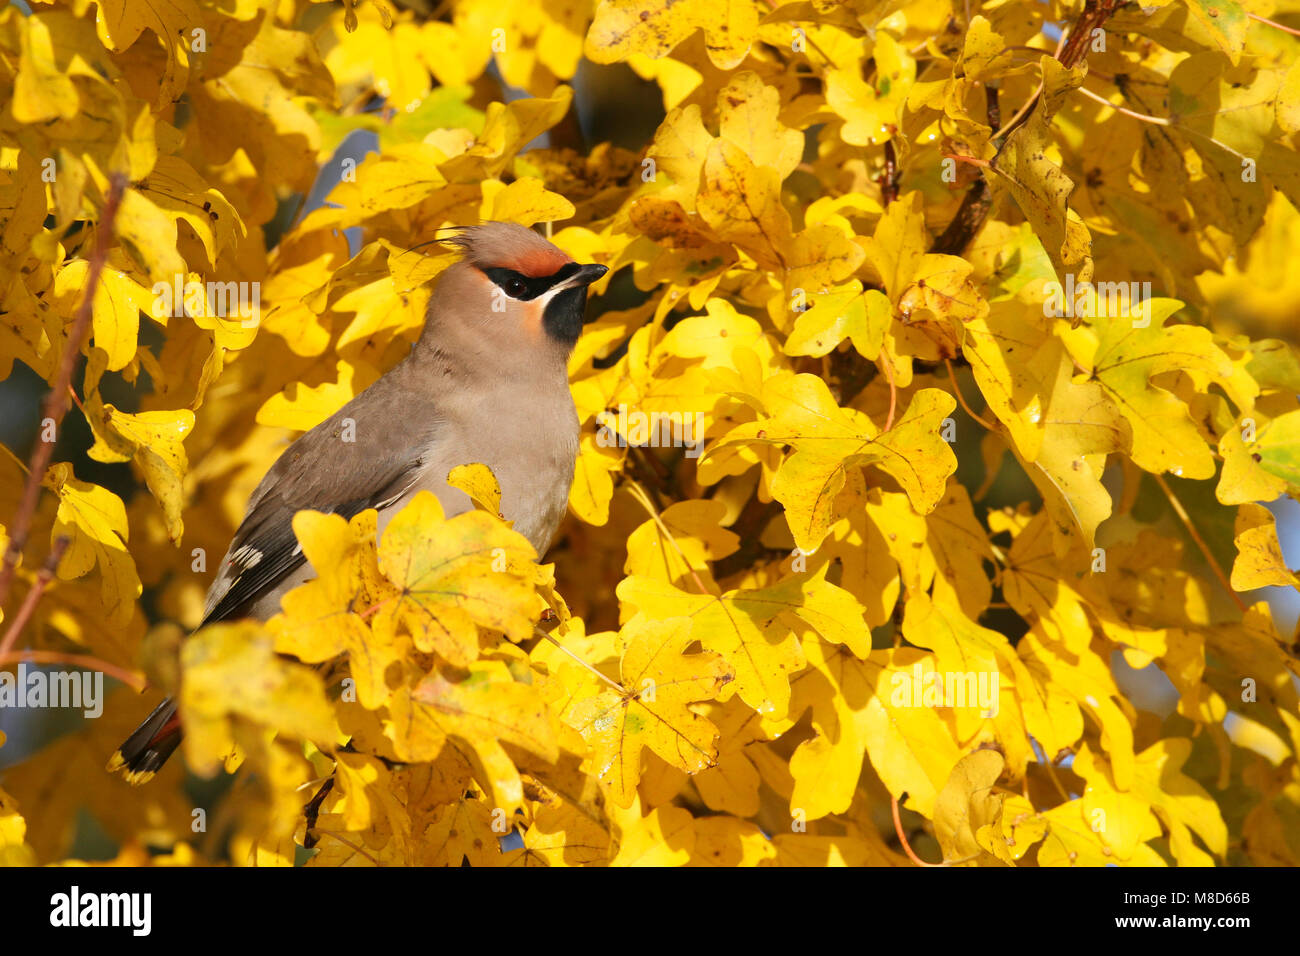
[
  {"x": 562, "y": 319},
  {"x": 564, "y": 313}
]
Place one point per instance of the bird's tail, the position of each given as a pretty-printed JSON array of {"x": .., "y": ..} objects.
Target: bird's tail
[{"x": 147, "y": 749}]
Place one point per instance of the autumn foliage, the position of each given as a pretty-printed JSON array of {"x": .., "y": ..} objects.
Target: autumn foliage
[{"x": 986, "y": 314}]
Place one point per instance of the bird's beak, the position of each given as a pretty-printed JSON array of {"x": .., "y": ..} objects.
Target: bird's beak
[{"x": 585, "y": 276}]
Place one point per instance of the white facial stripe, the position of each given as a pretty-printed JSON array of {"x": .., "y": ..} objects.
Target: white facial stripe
[{"x": 544, "y": 299}]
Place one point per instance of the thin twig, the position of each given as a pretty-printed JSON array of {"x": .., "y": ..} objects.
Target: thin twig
[
  {"x": 76, "y": 660},
  {"x": 619, "y": 688},
  {"x": 640, "y": 494},
  {"x": 893, "y": 389},
  {"x": 774, "y": 4},
  {"x": 1161, "y": 121},
  {"x": 1200, "y": 542},
  {"x": 33, "y": 597},
  {"x": 898, "y": 828},
  {"x": 376, "y": 606},
  {"x": 970, "y": 160},
  {"x": 1020, "y": 114},
  {"x": 902, "y": 837},
  {"x": 56, "y": 403},
  {"x": 1070, "y": 49},
  {"x": 1056, "y": 782},
  {"x": 76, "y": 399},
  {"x": 1273, "y": 23},
  {"x": 349, "y": 844},
  {"x": 1157, "y": 120},
  {"x": 952, "y": 374},
  {"x": 1023, "y": 112},
  {"x": 644, "y": 464}
]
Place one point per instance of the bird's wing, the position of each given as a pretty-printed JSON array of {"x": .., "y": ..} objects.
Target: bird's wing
[{"x": 322, "y": 471}]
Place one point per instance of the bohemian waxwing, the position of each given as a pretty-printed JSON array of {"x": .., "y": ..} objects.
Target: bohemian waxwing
[{"x": 486, "y": 382}]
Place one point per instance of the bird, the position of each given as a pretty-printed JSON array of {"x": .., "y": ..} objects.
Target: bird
[{"x": 486, "y": 382}]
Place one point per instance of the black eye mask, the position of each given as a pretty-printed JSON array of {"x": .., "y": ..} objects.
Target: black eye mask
[{"x": 510, "y": 281}]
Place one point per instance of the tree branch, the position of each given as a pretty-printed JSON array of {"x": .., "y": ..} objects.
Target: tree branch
[
  {"x": 43, "y": 578},
  {"x": 76, "y": 660},
  {"x": 1072, "y": 48},
  {"x": 889, "y": 184},
  {"x": 56, "y": 403}
]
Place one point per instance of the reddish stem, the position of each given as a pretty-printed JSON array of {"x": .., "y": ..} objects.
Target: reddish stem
[
  {"x": 56, "y": 403},
  {"x": 28, "y": 607},
  {"x": 76, "y": 660},
  {"x": 893, "y": 390},
  {"x": 902, "y": 837}
]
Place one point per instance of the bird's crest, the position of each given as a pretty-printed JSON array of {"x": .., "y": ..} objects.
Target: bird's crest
[{"x": 505, "y": 245}]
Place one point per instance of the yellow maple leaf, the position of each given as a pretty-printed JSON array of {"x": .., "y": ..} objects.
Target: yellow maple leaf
[
  {"x": 1259, "y": 562},
  {"x": 327, "y": 615},
  {"x": 94, "y": 520},
  {"x": 223, "y": 704},
  {"x": 663, "y": 837},
  {"x": 827, "y": 440},
  {"x": 660, "y": 682},
  {"x": 14, "y": 850},
  {"x": 624, "y": 27},
  {"x": 473, "y": 572},
  {"x": 967, "y": 804},
  {"x": 1130, "y": 351},
  {"x": 1040, "y": 187},
  {"x": 482, "y": 707},
  {"x": 741, "y": 202}
]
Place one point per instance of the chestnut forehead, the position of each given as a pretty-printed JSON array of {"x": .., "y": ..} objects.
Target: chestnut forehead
[{"x": 538, "y": 262}]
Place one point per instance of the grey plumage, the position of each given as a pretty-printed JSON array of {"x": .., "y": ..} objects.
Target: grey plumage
[
  {"x": 486, "y": 382},
  {"x": 456, "y": 399}
]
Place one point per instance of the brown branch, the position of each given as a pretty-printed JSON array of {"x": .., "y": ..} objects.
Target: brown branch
[
  {"x": 43, "y": 578},
  {"x": 1071, "y": 49},
  {"x": 56, "y": 403},
  {"x": 889, "y": 185},
  {"x": 975, "y": 204},
  {"x": 1095, "y": 13},
  {"x": 970, "y": 216},
  {"x": 992, "y": 108},
  {"x": 311, "y": 813}
]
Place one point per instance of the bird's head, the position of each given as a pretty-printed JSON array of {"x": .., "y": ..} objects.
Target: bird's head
[{"x": 512, "y": 290}]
